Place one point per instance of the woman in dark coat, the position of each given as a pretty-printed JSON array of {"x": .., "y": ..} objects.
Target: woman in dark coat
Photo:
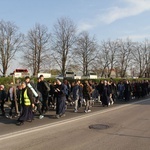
[
  {"x": 27, "y": 103},
  {"x": 106, "y": 94}
]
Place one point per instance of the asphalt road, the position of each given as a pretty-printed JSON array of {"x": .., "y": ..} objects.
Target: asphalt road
[{"x": 123, "y": 126}]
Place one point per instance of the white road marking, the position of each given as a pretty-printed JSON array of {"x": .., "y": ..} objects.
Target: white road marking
[{"x": 50, "y": 125}]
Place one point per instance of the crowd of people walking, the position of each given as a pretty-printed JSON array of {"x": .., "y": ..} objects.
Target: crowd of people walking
[{"x": 28, "y": 98}]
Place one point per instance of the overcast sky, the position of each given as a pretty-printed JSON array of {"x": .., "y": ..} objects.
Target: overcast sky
[{"x": 104, "y": 19}]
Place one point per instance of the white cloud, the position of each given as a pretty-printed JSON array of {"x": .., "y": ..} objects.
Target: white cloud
[
  {"x": 137, "y": 37},
  {"x": 83, "y": 26},
  {"x": 134, "y": 7},
  {"x": 112, "y": 14}
]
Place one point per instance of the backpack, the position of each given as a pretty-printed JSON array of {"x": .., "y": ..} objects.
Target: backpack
[{"x": 47, "y": 86}]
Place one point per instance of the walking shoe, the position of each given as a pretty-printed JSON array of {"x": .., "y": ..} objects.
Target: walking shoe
[
  {"x": 10, "y": 117},
  {"x": 75, "y": 111},
  {"x": 19, "y": 123},
  {"x": 85, "y": 111},
  {"x": 18, "y": 115},
  {"x": 45, "y": 111},
  {"x": 54, "y": 108},
  {"x": 29, "y": 120},
  {"x": 57, "y": 116},
  {"x": 63, "y": 115},
  {"x": 7, "y": 116},
  {"x": 89, "y": 110},
  {"x": 15, "y": 116},
  {"x": 112, "y": 103},
  {"x": 65, "y": 107},
  {"x": 41, "y": 117}
]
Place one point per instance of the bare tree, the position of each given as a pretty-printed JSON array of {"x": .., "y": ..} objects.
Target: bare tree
[
  {"x": 85, "y": 52},
  {"x": 113, "y": 49},
  {"x": 36, "y": 48},
  {"x": 103, "y": 58},
  {"x": 10, "y": 43},
  {"x": 141, "y": 57},
  {"x": 124, "y": 56},
  {"x": 114, "y": 56},
  {"x": 64, "y": 37},
  {"x": 147, "y": 73}
]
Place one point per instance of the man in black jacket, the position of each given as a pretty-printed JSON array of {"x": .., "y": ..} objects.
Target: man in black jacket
[{"x": 44, "y": 89}]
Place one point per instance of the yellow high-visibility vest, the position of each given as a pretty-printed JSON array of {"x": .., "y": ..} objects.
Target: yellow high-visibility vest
[{"x": 27, "y": 101}]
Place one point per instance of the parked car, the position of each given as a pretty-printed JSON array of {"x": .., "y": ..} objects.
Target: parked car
[{"x": 61, "y": 77}]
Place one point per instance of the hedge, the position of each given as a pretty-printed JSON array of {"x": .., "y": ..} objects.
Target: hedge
[{"x": 7, "y": 80}]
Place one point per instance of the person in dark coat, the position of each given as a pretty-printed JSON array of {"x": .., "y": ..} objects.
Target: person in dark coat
[
  {"x": 106, "y": 94},
  {"x": 60, "y": 91},
  {"x": 127, "y": 90},
  {"x": 27, "y": 103},
  {"x": 44, "y": 89},
  {"x": 87, "y": 91},
  {"x": 53, "y": 94},
  {"x": 2, "y": 99},
  {"x": 100, "y": 88}
]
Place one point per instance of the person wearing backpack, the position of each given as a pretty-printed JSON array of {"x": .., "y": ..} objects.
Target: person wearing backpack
[{"x": 44, "y": 88}]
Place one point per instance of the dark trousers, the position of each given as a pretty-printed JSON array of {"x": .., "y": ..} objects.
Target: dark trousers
[
  {"x": 26, "y": 114},
  {"x": 12, "y": 107},
  {"x": 45, "y": 103},
  {"x": 60, "y": 106},
  {"x": 127, "y": 96},
  {"x": 38, "y": 105},
  {"x": 50, "y": 100},
  {"x": 2, "y": 107}
]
